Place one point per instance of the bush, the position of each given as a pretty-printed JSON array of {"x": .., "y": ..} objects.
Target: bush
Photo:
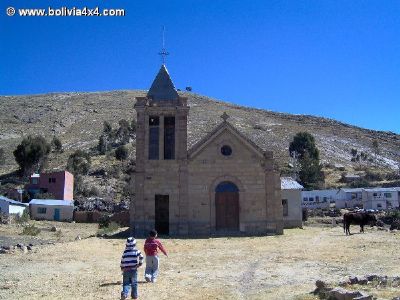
[
  {"x": 110, "y": 228},
  {"x": 31, "y": 154},
  {"x": 121, "y": 153},
  {"x": 31, "y": 230},
  {"x": 373, "y": 176},
  {"x": 79, "y": 163},
  {"x": 361, "y": 183},
  {"x": 56, "y": 144},
  {"x": 24, "y": 218}
]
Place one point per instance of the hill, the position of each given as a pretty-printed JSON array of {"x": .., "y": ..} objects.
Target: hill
[{"x": 77, "y": 119}]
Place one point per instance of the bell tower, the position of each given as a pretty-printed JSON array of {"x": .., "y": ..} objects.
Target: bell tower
[{"x": 161, "y": 179}]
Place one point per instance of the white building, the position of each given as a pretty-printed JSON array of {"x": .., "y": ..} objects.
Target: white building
[
  {"x": 49, "y": 209},
  {"x": 291, "y": 202},
  {"x": 318, "y": 198},
  {"x": 381, "y": 198},
  {"x": 349, "y": 198},
  {"x": 10, "y": 207}
]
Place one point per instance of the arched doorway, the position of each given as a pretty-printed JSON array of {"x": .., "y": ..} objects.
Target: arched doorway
[{"x": 227, "y": 206}]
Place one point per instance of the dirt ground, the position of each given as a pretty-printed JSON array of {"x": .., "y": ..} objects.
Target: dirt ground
[{"x": 271, "y": 267}]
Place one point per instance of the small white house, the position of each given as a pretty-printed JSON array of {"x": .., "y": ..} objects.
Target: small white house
[
  {"x": 318, "y": 198},
  {"x": 381, "y": 198},
  {"x": 53, "y": 210},
  {"x": 291, "y": 202},
  {"x": 11, "y": 207}
]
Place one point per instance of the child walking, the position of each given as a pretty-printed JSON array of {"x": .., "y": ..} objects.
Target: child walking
[
  {"x": 151, "y": 247},
  {"x": 131, "y": 260}
]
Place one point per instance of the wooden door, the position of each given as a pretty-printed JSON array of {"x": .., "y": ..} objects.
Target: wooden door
[
  {"x": 162, "y": 214},
  {"x": 227, "y": 211}
]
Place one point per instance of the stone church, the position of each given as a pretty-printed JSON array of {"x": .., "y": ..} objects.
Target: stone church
[{"x": 223, "y": 185}]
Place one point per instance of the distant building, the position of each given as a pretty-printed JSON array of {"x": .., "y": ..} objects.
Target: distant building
[
  {"x": 11, "y": 207},
  {"x": 351, "y": 177},
  {"x": 53, "y": 210},
  {"x": 349, "y": 198},
  {"x": 381, "y": 198},
  {"x": 59, "y": 184},
  {"x": 318, "y": 198},
  {"x": 291, "y": 202}
]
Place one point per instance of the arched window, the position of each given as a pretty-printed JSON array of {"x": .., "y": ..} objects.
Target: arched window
[{"x": 226, "y": 186}]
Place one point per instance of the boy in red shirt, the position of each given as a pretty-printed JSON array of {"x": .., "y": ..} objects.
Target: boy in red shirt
[{"x": 151, "y": 247}]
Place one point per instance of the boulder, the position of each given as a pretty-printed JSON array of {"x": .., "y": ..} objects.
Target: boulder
[{"x": 53, "y": 229}]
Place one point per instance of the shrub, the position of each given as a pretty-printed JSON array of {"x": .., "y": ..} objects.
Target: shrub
[
  {"x": 31, "y": 230},
  {"x": 56, "y": 144},
  {"x": 110, "y": 228},
  {"x": 373, "y": 176},
  {"x": 121, "y": 153},
  {"x": 79, "y": 163},
  {"x": 32, "y": 154},
  {"x": 24, "y": 218}
]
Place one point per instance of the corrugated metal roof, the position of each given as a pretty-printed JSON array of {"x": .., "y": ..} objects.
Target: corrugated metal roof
[
  {"x": 356, "y": 190},
  {"x": 387, "y": 189},
  {"x": 51, "y": 202},
  {"x": 13, "y": 201},
  {"x": 162, "y": 88},
  {"x": 288, "y": 183}
]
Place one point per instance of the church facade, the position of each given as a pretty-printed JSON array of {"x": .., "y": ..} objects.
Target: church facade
[{"x": 225, "y": 184}]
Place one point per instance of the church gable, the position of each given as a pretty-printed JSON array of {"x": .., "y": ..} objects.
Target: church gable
[{"x": 226, "y": 137}]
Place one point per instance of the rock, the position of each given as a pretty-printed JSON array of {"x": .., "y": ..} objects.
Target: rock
[
  {"x": 353, "y": 279},
  {"x": 342, "y": 294},
  {"x": 78, "y": 238},
  {"x": 20, "y": 245},
  {"x": 53, "y": 229},
  {"x": 371, "y": 277},
  {"x": 320, "y": 284},
  {"x": 8, "y": 248},
  {"x": 362, "y": 280},
  {"x": 363, "y": 296},
  {"x": 24, "y": 249},
  {"x": 3, "y": 251},
  {"x": 29, "y": 247}
]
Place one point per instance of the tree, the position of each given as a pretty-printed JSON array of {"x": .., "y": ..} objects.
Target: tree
[
  {"x": 2, "y": 157},
  {"x": 107, "y": 127},
  {"x": 31, "y": 154},
  {"x": 79, "y": 163},
  {"x": 104, "y": 144},
  {"x": 123, "y": 132},
  {"x": 304, "y": 149},
  {"x": 121, "y": 153},
  {"x": 56, "y": 144},
  {"x": 304, "y": 142},
  {"x": 133, "y": 126},
  {"x": 375, "y": 146}
]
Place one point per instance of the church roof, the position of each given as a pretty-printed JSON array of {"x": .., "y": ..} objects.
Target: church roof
[
  {"x": 196, "y": 148},
  {"x": 162, "y": 88}
]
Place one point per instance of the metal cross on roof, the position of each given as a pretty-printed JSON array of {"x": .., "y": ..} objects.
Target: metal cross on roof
[
  {"x": 224, "y": 116},
  {"x": 163, "y": 51}
]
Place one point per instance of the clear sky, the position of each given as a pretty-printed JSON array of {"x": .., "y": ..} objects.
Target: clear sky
[{"x": 337, "y": 59}]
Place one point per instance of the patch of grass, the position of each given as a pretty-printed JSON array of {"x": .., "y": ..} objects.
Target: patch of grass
[
  {"x": 30, "y": 230},
  {"x": 110, "y": 228}
]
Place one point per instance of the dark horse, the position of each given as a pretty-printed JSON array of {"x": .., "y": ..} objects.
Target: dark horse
[{"x": 358, "y": 218}]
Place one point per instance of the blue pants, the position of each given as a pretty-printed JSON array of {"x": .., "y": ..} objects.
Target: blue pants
[
  {"x": 129, "y": 279},
  {"x": 151, "y": 272}
]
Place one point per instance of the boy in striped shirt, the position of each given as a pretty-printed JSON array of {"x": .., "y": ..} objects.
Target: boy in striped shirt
[{"x": 131, "y": 260}]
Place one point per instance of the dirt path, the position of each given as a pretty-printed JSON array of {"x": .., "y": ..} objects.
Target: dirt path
[{"x": 273, "y": 267}]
